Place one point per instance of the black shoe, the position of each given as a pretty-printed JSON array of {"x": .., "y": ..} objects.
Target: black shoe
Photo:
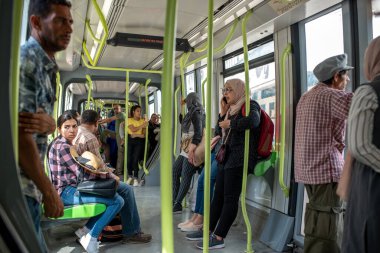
[{"x": 177, "y": 208}]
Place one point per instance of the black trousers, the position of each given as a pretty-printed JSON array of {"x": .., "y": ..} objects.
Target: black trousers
[
  {"x": 135, "y": 153},
  {"x": 225, "y": 203},
  {"x": 183, "y": 172}
]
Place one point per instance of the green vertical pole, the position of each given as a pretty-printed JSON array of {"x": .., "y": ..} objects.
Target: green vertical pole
[
  {"x": 210, "y": 69},
  {"x": 126, "y": 125},
  {"x": 246, "y": 146},
  {"x": 89, "y": 83},
  {"x": 146, "y": 171},
  {"x": 175, "y": 121},
  {"x": 166, "y": 129},
  {"x": 15, "y": 72},
  {"x": 284, "y": 188},
  {"x": 57, "y": 102}
]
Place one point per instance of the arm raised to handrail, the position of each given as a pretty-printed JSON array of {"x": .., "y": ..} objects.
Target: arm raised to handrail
[
  {"x": 285, "y": 53},
  {"x": 89, "y": 95},
  {"x": 103, "y": 39}
]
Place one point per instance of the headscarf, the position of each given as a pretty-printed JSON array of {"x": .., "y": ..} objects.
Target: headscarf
[
  {"x": 238, "y": 87},
  {"x": 193, "y": 104},
  {"x": 372, "y": 59}
]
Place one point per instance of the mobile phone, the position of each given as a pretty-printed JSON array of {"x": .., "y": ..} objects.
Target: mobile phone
[{"x": 225, "y": 100}]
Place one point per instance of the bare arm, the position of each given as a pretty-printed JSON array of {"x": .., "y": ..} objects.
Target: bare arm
[
  {"x": 41, "y": 122},
  {"x": 135, "y": 129},
  {"x": 107, "y": 120},
  {"x": 30, "y": 163}
]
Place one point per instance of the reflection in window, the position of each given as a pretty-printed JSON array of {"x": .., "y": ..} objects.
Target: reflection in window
[
  {"x": 190, "y": 82},
  {"x": 322, "y": 43}
]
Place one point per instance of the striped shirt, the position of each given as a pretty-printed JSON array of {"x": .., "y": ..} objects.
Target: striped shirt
[
  {"x": 319, "y": 134},
  {"x": 63, "y": 168},
  {"x": 360, "y": 127},
  {"x": 36, "y": 94}
]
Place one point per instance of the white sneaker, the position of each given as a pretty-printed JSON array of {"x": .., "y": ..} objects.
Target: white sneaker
[
  {"x": 81, "y": 232},
  {"x": 89, "y": 243},
  {"x": 183, "y": 224},
  {"x": 191, "y": 227},
  {"x": 136, "y": 182}
]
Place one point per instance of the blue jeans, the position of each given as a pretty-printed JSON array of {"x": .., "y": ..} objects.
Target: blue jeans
[
  {"x": 35, "y": 211},
  {"x": 199, "y": 205}
]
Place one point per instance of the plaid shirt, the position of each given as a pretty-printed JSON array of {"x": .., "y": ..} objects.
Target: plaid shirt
[
  {"x": 63, "y": 168},
  {"x": 36, "y": 93},
  {"x": 319, "y": 134},
  {"x": 87, "y": 141}
]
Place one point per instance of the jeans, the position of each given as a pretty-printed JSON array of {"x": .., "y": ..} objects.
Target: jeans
[
  {"x": 70, "y": 196},
  {"x": 199, "y": 205},
  {"x": 35, "y": 211}
]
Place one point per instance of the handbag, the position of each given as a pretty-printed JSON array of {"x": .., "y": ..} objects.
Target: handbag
[
  {"x": 221, "y": 155},
  {"x": 104, "y": 187},
  {"x": 199, "y": 152},
  {"x": 100, "y": 187}
]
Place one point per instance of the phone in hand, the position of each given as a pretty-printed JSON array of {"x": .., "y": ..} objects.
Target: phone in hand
[{"x": 224, "y": 100}]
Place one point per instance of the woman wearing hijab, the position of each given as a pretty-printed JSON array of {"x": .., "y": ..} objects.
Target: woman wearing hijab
[
  {"x": 192, "y": 130},
  {"x": 362, "y": 221},
  {"x": 232, "y": 124}
]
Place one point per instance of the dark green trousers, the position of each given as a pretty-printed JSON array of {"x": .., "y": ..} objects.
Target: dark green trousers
[{"x": 321, "y": 219}]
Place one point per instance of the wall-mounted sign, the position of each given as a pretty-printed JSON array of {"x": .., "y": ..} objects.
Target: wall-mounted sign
[{"x": 282, "y": 6}]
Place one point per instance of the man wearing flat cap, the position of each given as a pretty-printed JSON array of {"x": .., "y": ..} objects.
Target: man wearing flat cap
[{"x": 319, "y": 142}]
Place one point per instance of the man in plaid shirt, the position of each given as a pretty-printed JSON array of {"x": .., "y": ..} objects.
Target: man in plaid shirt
[
  {"x": 319, "y": 142},
  {"x": 87, "y": 141}
]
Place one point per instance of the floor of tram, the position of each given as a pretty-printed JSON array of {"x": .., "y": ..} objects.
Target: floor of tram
[{"x": 61, "y": 239}]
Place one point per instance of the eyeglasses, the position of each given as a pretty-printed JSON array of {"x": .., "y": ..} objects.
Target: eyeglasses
[{"x": 226, "y": 90}]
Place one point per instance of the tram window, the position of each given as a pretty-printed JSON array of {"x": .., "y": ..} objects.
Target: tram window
[
  {"x": 190, "y": 82},
  {"x": 151, "y": 109},
  {"x": 158, "y": 95},
  {"x": 375, "y": 18},
  {"x": 203, "y": 73},
  {"x": 254, "y": 53},
  {"x": 322, "y": 43}
]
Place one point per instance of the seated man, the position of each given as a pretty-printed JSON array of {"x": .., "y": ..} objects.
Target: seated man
[{"x": 87, "y": 141}]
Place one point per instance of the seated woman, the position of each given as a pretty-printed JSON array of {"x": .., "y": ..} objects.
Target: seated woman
[
  {"x": 192, "y": 131},
  {"x": 136, "y": 142},
  {"x": 65, "y": 172}
]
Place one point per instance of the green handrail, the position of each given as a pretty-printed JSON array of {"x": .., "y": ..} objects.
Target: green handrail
[
  {"x": 146, "y": 171},
  {"x": 15, "y": 72},
  {"x": 285, "y": 53},
  {"x": 203, "y": 91},
  {"x": 207, "y": 165},
  {"x": 166, "y": 125},
  {"x": 89, "y": 95},
  {"x": 140, "y": 95},
  {"x": 92, "y": 34},
  {"x": 175, "y": 121},
  {"x": 126, "y": 126},
  {"x": 102, "y": 40},
  {"x": 57, "y": 102},
  {"x": 118, "y": 69},
  {"x": 221, "y": 47},
  {"x": 246, "y": 145}
]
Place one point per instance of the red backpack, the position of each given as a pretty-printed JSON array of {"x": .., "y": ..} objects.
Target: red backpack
[{"x": 264, "y": 147}]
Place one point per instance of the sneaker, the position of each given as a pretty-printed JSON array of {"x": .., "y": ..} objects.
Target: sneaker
[
  {"x": 137, "y": 238},
  {"x": 177, "y": 208},
  {"x": 191, "y": 227},
  {"x": 135, "y": 182},
  {"x": 183, "y": 224},
  {"x": 130, "y": 181},
  {"x": 89, "y": 243},
  {"x": 81, "y": 232},
  {"x": 212, "y": 244},
  {"x": 195, "y": 236}
]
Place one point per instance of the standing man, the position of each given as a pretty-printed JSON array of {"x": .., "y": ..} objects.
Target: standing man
[
  {"x": 153, "y": 131},
  {"x": 119, "y": 117},
  {"x": 319, "y": 142},
  {"x": 50, "y": 23}
]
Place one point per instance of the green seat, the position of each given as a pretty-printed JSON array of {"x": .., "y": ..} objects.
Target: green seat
[
  {"x": 78, "y": 211},
  {"x": 262, "y": 166}
]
